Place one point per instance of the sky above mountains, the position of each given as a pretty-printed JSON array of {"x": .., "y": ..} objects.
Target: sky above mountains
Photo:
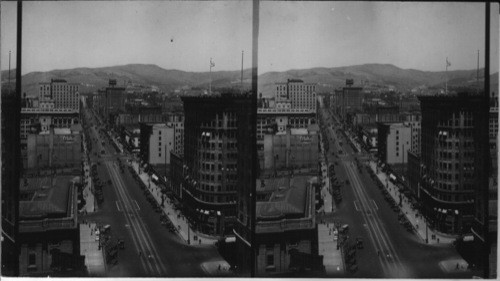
[{"x": 184, "y": 35}]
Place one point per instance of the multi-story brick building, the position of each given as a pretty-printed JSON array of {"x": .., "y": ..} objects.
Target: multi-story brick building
[
  {"x": 177, "y": 122},
  {"x": 295, "y": 149},
  {"x": 281, "y": 119},
  {"x": 450, "y": 167},
  {"x": 214, "y": 134},
  {"x": 156, "y": 142},
  {"x": 394, "y": 140},
  {"x": 58, "y": 147},
  {"x": 41, "y": 120},
  {"x": 299, "y": 94},
  {"x": 61, "y": 93},
  {"x": 350, "y": 100}
]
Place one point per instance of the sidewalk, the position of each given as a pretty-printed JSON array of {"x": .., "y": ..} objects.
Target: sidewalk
[
  {"x": 175, "y": 217},
  {"x": 332, "y": 258},
  {"x": 217, "y": 267},
  {"x": 88, "y": 194},
  {"x": 89, "y": 247},
  {"x": 328, "y": 204},
  {"x": 417, "y": 220}
]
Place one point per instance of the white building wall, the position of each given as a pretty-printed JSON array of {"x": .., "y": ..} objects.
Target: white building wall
[
  {"x": 398, "y": 141},
  {"x": 161, "y": 142}
]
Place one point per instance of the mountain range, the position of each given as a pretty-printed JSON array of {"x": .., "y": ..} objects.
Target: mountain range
[{"x": 367, "y": 75}]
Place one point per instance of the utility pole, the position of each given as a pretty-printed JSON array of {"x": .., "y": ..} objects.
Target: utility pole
[
  {"x": 9, "y": 73},
  {"x": 477, "y": 72},
  {"x": 446, "y": 85},
  {"x": 241, "y": 83},
  {"x": 212, "y": 64}
]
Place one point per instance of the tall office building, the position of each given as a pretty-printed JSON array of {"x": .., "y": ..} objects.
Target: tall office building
[
  {"x": 114, "y": 101},
  {"x": 300, "y": 94},
  {"x": 61, "y": 93},
  {"x": 394, "y": 140},
  {"x": 156, "y": 143},
  {"x": 350, "y": 100},
  {"x": 216, "y": 129},
  {"x": 450, "y": 140}
]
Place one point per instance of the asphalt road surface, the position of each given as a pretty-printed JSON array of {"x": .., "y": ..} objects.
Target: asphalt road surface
[
  {"x": 151, "y": 250},
  {"x": 390, "y": 250}
]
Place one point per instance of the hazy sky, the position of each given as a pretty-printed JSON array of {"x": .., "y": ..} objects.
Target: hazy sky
[{"x": 184, "y": 35}]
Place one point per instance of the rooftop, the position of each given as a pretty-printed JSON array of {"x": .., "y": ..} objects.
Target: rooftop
[
  {"x": 287, "y": 200},
  {"x": 50, "y": 199}
]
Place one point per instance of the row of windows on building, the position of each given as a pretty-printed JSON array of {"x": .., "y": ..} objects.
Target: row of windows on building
[
  {"x": 212, "y": 166},
  {"x": 466, "y": 166},
  {"x": 454, "y": 197},
  {"x": 448, "y": 176},
  {"x": 217, "y": 199},
  {"x": 217, "y": 187},
  {"x": 217, "y": 156},
  {"x": 455, "y": 143},
  {"x": 212, "y": 177},
  {"x": 59, "y": 87},
  {"x": 212, "y": 145}
]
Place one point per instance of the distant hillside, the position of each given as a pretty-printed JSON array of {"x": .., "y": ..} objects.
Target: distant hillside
[
  {"x": 368, "y": 74},
  {"x": 92, "y": 79},
  {"x": 382, "y": 75}
]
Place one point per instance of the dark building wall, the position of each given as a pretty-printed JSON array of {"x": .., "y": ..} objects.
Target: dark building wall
[
  {"x": 451, "y": 170},
  {"x": 274, "y": 252},
  {"x": 382, "y": 132},
  {"x": 146, "y": 130},
  {"x": 10, "y": 182},
  {"x": 212, "y": 144},
  {"x": 41, "y": 245},
  {"x": 414, "y": 173},
  {"x": 176, "y": 174}
]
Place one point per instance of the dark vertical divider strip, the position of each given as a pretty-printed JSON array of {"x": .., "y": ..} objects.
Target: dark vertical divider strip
[{"x": 253, "y": 120}]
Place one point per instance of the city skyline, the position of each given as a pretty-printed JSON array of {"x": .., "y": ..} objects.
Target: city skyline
[{"x": 314, "y": 34}]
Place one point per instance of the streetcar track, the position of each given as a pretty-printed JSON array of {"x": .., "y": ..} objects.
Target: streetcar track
[
  {"x": 374, "y": 227},
  {"x": 154, "y": 264}
]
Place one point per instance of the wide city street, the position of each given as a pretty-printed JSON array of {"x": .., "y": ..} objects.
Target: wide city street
[
  {"x": 150, "y": 249},
  {"x": 390, "y": 250}
]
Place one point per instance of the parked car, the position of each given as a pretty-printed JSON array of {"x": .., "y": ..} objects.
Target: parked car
[{"x": 359, "y": 243}]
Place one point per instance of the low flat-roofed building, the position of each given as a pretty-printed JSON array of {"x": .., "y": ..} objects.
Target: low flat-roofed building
[
  {"x": 295, "y": 149},
  {"x": 49, "y": 235},
  {"x": 286, "y": 233}
]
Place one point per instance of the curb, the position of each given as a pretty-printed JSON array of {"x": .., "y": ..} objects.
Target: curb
[{"x": 179, "y": 231}]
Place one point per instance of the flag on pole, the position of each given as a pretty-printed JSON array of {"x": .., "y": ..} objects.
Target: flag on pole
[
  {"x": 212, "y": 64},
  {"x": 447, "y": 62}
]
